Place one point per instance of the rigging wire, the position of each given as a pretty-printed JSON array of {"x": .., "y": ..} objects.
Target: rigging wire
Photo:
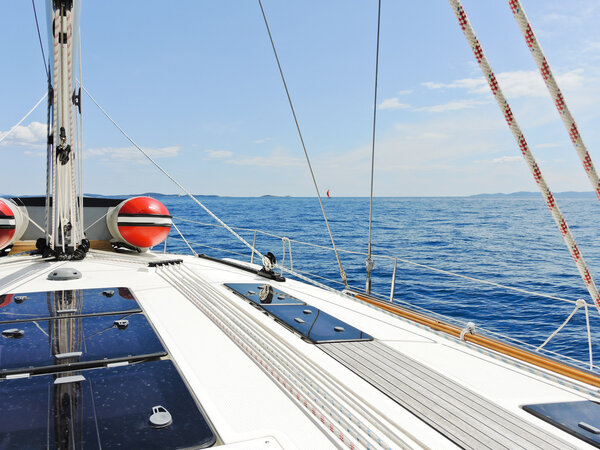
[
  {"x": 369, "y": 262},
  {"x": 9, "y": 132},
  {"x": 177, "y": 183},
  {"x": 37, "y": 25},
  {"x": 287, "y": 92}
]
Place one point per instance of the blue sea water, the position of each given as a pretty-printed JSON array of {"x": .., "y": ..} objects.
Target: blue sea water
[{"x": 507, "y": 240}]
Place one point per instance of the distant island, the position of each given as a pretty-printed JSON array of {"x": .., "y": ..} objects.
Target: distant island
[
  {"x": 519, "y": 194},
  {"x": 527, "y": 194}
]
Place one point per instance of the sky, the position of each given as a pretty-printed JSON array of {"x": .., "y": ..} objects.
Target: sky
[{"x": 197, "y": 86}]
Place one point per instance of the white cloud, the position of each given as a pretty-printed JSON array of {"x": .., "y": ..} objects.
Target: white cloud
[
  {"x": 263, "y": 140},
  {"x": 519, "y": 83},
  {"x": 32, "y": 135},
  {"x": 393, "y": 103},
  {"x": 506, "y": 159},
  {"x": 452, "y": 106},
  {"x": 278, "y": 158},
  {"x": 218, "y": 154},
  {"x": 131, "y": 153},
  {"x": 405, "y": 92},
  {"x": 36, "y": 154},
  {"x": 471, "y": 84}
]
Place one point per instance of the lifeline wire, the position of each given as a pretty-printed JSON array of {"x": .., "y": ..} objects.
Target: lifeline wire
[
  {"x": 369, "y": 262},
  {"x": 312, "y": 174},
  {"x": 402, "y": 260}
]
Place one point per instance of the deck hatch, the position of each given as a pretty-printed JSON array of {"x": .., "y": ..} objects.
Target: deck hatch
[
  {"x": 309, "y": 321},
  {"x": 581, "y": 419},
  {"x": 99, "y": 339},
  {"x": 44, "y": 305},
  {"x": 104, "y": 408}
]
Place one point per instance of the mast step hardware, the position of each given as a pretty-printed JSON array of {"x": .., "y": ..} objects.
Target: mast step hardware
[{"x": 64, "y": 274}]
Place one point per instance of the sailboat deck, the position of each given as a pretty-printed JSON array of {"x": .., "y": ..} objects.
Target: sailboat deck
[
  {"x": 445, "y": 392},
  {"x": 468, "y": 419}
]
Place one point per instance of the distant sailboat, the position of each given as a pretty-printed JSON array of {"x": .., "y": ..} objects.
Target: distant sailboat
[{"x": 328, "y": 196}]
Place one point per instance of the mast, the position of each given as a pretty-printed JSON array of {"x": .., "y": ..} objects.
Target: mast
[{"x": 64, "y": 232}]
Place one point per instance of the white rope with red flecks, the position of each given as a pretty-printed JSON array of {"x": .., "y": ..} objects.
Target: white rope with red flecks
[
  {"x": 311, "y": 391},
  {"x": 526, "y": 152},
  {"x": 557, "y": 97}
]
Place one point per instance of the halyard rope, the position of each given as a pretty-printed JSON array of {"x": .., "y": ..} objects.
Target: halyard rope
[
  {"x": 274, "y": 355},
  {"x": 526, "y": 152},
  {"x": 312, "y": 174},
  {"x": 557, "y": 97},
  {"x": 55, "y": 134},
  {"x": 580, "y": 303},
  {"x": 274, "y": 369}
]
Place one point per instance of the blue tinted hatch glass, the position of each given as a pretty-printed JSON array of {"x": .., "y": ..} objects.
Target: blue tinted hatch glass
[
  {"x": 581, "y": 419},
  {"x": 315, "y": 324},
  {"x": 41, "y": 305},
  {"x": 110, "y": 408},
  {"x": 90, "y": 338}
]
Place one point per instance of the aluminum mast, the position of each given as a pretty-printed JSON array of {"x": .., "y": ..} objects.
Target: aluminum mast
[{"x": 64, "y": 233}]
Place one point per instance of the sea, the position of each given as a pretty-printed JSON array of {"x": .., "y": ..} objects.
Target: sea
[{"x": 439, "y": 245}]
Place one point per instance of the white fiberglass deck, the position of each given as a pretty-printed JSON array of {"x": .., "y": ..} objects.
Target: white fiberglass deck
[{"x": 231, "y": 355}]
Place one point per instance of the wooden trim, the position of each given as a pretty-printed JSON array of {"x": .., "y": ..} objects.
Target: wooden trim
[
  {"x": 492, "y": 344},
  {"x": 26, "y": 246}
]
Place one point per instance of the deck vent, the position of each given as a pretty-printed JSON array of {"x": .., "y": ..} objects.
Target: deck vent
[{"x": 64, "y": 274}]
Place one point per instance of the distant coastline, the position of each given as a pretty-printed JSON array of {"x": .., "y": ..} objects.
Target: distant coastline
[{"x": 519, "y": 194}]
